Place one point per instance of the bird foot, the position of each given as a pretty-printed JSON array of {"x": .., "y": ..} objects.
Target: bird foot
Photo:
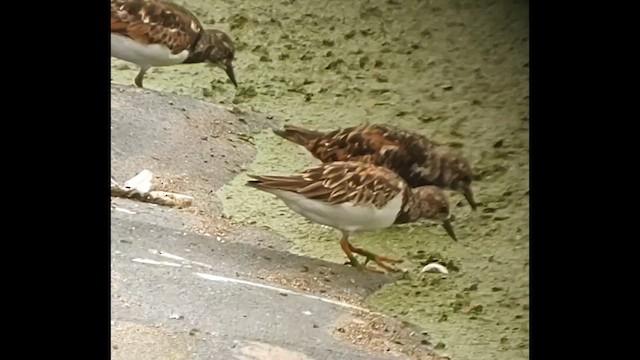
[
  {"x": 363, "y": 267},
  {"x": 378, "y": 259}
]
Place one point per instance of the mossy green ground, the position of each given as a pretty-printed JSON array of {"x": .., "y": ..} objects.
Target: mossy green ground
[{"x": 456, "y": 71}]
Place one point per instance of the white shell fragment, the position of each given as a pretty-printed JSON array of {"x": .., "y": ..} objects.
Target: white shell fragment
[
  {"x": 139, "y": 186},
  {"x": 434, "y": 268},
  {"x": 140, "y": 182}
]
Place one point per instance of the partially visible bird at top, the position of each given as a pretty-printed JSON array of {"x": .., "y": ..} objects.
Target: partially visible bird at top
[{"x": 156, "y": 33}]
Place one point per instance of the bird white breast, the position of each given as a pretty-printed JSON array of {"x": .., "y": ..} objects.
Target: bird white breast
[
  {"x": 343, "y": 216},
  {"x": 132, "y": 51}
]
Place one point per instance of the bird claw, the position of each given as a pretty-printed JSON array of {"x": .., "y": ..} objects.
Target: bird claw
[{"x": 367, "y": 268}]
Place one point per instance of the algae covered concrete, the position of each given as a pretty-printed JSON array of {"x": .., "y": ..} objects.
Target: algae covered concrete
[{"x": 456, "y": 71}]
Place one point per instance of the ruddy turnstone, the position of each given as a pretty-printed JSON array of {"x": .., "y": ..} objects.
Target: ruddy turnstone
[
  {"x": 354, "y": 197},
  {"x": 411, "y": 155},
  {"x": 160, "y": 33}
]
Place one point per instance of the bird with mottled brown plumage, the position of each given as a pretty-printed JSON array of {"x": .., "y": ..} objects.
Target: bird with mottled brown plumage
[
  {"x": 355, "y": 197},
  {"x": 152, "y": 33},
  {"x": 411, "y": 155}
]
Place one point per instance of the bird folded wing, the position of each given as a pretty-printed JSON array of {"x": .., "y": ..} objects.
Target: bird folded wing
[
  {"x": 151, "y": 22},
  {"x": 338, "y": 182}
]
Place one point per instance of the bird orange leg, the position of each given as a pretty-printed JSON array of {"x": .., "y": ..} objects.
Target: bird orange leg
[
  {"x": 347, "y": 247},
  {"x": 378, "y": 259}
]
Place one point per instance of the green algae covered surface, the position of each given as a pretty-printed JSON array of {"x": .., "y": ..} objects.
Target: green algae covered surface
[{"x": 456, "y": 71}]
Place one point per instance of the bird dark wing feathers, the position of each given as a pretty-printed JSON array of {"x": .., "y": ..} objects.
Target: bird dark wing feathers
[
  {"x": 377, "y": 144},
  {"x": 155, "y": 22},
  {"x": 338, "y": 182}
]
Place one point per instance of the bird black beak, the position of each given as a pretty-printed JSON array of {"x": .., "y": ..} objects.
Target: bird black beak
[
  {"x": 232, "y": 76},
  {"x": 449, "y": 228},
  {"x": 468, "y": 194}
]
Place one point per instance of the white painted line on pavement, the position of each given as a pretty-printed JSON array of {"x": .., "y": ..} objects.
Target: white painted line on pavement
[
  {"x": 201, "y": 264},
  {"x": 245, "y": 282},
  {"x": 238, "y": 281},
  {"x": 153, "y": 262},
  {"x": 126, "y": 211},
  {"x": 180, "y": 258},
  {"x": 165, "y": 254}
]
